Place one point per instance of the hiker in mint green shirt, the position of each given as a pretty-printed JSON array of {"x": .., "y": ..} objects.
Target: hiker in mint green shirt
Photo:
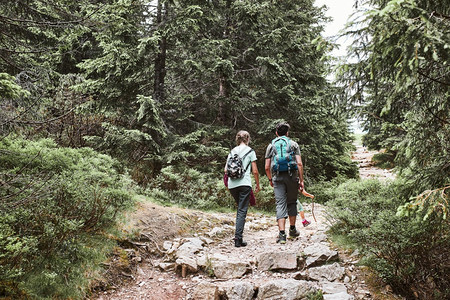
[{"x": 241, "y": 188}]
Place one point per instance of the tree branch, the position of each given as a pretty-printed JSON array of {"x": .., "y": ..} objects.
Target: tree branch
[{"x": 432, "y": 79}]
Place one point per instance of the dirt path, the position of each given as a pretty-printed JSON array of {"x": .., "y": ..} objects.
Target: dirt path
[
  {"x": 161, "y": 230},
  {"x": 366, "y": 167}
]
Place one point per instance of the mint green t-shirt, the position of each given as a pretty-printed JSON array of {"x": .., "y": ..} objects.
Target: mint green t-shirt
[{"x": 246, "y": 179}]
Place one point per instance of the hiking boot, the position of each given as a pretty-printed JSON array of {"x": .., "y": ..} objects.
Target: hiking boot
[
  {"x": 281, "y": 238},
  {"x": 239, "y": 243},
  {"x": 293, "y": 233},
  {"x": 306, "y": 223}
]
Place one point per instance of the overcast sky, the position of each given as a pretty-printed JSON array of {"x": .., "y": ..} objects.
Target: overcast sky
[{"x": 340, "y": 11}]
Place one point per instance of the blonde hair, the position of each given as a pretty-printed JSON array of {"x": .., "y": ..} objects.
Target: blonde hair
[{"x": 242, "y": 136}]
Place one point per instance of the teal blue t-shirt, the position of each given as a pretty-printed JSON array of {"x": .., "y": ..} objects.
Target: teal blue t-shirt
[{"x": 246, "y": 180}]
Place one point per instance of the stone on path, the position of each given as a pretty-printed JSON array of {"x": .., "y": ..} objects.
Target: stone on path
[
  {"x": 318, "y": 237},
  {"x": 189, "y": 247},
  {"x": 318, "y": 254},
  {"x": 186, "y": 264},
  {"x": 332, "y": 287},
  {"x": 239, "y": 291},
  {"x": 338, "y": 296},
  {"x": 206, "y": 291},
  {"x": 285, "y": 289},
  {"x": 328, "y": 272},
  {"x": 230, "y": 269},
  {"x": 268, "y": 261},
  {"x": 215, "y": 231}
]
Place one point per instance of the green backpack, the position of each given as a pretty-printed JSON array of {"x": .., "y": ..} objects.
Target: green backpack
[{"x": 283, "y": 155}]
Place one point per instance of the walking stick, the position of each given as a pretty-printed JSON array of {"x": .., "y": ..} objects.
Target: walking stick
[{"x": 306, "y": 194}]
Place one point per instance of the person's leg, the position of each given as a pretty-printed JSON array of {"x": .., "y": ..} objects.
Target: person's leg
[
  {"x": 292, "y": 195},
  {"x": 292, "y": 220},
  {"x": 291, "y": 199},
  {"x": 242, "y": 200},
  {"x": 279, "y": 188},
  {"x": 301, "y": 212},
  {"x": 281, "y": 224}
]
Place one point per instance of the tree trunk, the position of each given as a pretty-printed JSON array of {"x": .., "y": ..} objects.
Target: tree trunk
[
  {"x": 160, "y": 61},
  {"x": 223, "y": 80}
]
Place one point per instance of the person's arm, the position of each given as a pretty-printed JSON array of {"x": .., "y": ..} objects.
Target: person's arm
[
  {"x": 256, "y": 175},
  {"x": 298, "y": 159},
  {"x": 226, "y": 162},
  {"x": 268, "y": 173}
]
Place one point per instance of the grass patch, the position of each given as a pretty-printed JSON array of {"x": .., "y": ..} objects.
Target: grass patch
[
  {"x": 357, "y": 137},
  {"x": 384, "y": 160}
]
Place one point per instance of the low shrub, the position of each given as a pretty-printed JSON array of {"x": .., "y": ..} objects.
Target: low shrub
[
  {"x": 409, "y": 252},
  {"x": 384, "y": 160},
  {"x": 325, "y": 190},
  {"x": 55, "y": 205},
  {"x": 191, "y": 188}
]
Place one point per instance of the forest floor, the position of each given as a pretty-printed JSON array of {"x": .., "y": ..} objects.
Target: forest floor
[{"x": 143, "y": 278}]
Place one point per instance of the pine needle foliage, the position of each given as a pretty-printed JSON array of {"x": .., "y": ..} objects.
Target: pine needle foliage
[
  {"x": 407, "y": 251},
  {"x": 401, "y": 85},
  {"x": 55, "y": 203}
]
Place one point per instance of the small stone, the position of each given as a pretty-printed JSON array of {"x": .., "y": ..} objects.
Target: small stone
[
  {"x": 167, "y": 245},
  {"x": 140, "y": 271}
]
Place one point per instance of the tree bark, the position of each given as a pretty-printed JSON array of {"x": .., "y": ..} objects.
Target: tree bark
[{"x": 160, "y": 61}]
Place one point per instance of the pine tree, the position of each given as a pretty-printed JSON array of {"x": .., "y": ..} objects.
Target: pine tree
[{"x": 402, "y": 80}]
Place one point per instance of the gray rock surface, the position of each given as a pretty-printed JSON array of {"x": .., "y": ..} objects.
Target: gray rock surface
[
  {"x": 327, "y": 272},
  {"x": 268, "y": 261},
  {"x": 318, "y": 254},
  {"x": 286, "y": 289}
]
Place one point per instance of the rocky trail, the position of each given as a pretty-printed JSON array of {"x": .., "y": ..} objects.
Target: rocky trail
[
  {"x": 366, "y": 166},
  {"x": 184, "y": 254}
]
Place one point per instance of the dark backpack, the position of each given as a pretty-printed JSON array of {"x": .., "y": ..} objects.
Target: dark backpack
[
  {"x": 283, "y": 155},
  {"x": 235, "y": 166}
]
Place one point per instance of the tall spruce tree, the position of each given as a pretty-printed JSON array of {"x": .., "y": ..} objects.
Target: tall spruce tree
[
  {"x": 402, "y": 80},
  {"x": 40, "y": 44},
  {"x": 249, "y": 64},
  {"x": 171, "y": 81}
]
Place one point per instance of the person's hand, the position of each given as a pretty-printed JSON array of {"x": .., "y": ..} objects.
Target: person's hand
[
  {"x": 257, "y": 189},
  {"x": 301, "y": 186}
]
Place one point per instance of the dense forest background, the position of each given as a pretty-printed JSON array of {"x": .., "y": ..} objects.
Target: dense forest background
[{"x": 103, "y": 100}]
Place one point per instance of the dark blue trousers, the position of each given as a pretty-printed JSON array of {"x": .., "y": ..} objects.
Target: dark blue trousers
[{"x": 242, "y": 196}]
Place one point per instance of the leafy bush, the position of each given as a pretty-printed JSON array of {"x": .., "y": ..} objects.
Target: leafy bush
[
  {"x": 325, "y": 191},
  {"x": 384, "y": 160},
  {"x": 55, "y": 203},
  {"x": 408, "y": 252},
  {"x": 188, "y": 187}
]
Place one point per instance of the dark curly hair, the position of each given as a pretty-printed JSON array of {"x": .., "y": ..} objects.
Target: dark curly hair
[{"x": 283, "y": 128}]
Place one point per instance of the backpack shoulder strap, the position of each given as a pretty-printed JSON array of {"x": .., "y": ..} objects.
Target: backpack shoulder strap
[
  {"x": 249, "y": 151},
  {"x": 285, "y": 139},
  {"x": 276, "y": 139},
  {"x": 288, "y": 143}
]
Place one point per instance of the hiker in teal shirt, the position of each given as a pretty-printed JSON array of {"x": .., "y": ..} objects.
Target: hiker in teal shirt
[
  {"x": 241, "y": 188},
  {"x": 284, "y": 169}
]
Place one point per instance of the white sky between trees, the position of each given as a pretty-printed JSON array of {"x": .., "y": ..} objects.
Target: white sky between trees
[{"x": 340, "y": 12}]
